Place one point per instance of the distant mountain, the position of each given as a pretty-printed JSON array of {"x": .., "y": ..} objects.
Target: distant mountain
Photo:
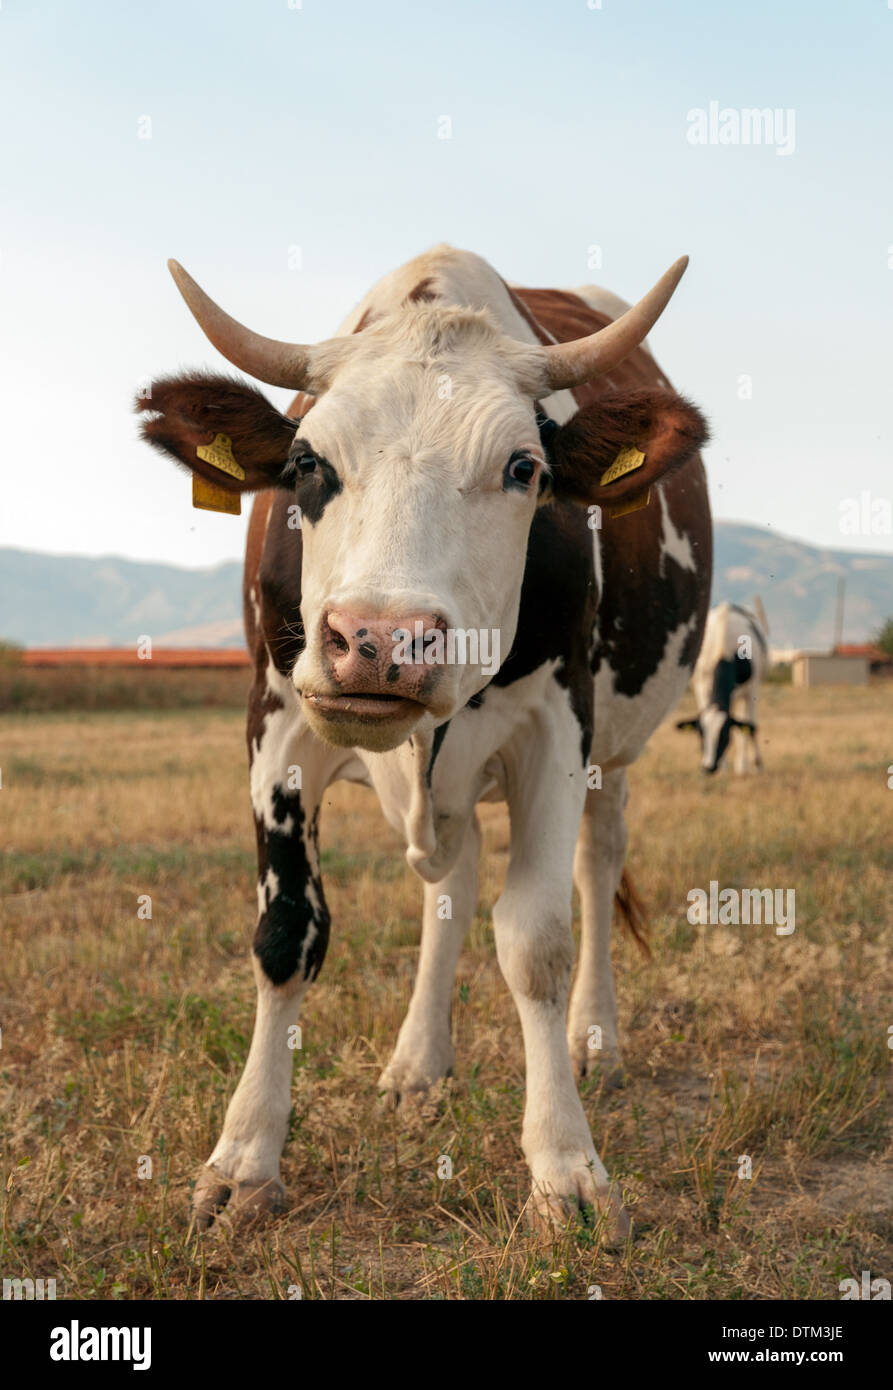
[
  {"x": 76, "y": 601},
  {"x": 798, "y": 584}
]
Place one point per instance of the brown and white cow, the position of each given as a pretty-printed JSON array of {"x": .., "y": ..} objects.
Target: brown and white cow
[{"x": 472, "y": 463}]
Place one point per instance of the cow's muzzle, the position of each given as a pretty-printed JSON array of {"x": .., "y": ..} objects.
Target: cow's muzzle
[{"x": 377, "y": 683}]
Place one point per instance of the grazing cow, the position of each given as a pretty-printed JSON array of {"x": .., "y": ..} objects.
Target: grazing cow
[
  {"x": 734, "y": 660},
  {"x": 478, "y": 462}
]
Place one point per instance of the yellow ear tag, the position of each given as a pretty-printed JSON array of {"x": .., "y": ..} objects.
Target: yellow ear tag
[
  {"x": 627, "y": 461},
  {"x": 220, "y": 453},
  {"x": 632, "y": 504},
  {"x": 208, "y": 497}
]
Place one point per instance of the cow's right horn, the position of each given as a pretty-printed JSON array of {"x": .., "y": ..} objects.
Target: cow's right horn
[{"x": 276, "y": 363}]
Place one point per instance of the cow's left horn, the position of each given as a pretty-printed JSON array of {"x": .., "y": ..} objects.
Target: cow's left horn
[
  {"x": 278, "y": 364},
  {"x": 569, "y": 364}
]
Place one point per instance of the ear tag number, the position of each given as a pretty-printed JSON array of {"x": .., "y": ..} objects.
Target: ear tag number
[
  {"x": 627, "y": 461},
  {"x": 208, "y": 497},
  {"x": 220, "y": 454}
]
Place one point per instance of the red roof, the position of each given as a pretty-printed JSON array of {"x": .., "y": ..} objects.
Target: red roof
[
  {"x": 127, "y": 656},
  {"x": 865, "y": 649}
]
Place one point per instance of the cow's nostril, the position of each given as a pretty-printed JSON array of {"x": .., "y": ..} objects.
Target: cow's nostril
[{"x": 340, "y": 642}]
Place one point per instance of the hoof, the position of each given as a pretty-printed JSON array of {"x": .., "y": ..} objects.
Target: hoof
[
  {"x": 403, "y": 1081},
  {"x": 244, "y": 1202},
  {"x": 603, "y": 1062},
  {"x": 566, "y": 1202}
]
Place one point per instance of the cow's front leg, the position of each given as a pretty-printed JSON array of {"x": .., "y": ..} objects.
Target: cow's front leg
[
  {"x": 598, "y": 866},
  {"x": 424, "y": 1050},
  {"x": 747, "y": 749},
  {"x": 534, "y": 944},
  {"x": 288, "y": 777}
]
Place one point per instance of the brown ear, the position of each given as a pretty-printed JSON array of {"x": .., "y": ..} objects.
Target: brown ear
[
  {"x": 664, "y": 427},
  {"x": 244, "y": 438}
]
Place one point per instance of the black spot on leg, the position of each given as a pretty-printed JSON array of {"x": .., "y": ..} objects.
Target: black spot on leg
[{"x": 294, "y": 923}]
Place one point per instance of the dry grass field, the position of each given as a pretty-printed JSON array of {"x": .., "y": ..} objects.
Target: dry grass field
[{"x": 124, "y": 1037}]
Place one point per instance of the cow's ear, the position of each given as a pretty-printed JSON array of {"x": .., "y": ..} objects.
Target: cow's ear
[
  {"x": 689, "y": 724},
  {"x": 615, "y": 448},
  {"x": 219, "y": 428}
]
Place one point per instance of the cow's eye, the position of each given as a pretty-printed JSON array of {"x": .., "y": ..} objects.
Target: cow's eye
[
  {"x": 520, "y": 471},
  {"x": 306, "y": 464}
]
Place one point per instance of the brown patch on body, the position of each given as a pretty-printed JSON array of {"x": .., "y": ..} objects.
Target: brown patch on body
[
  {"x": 639, "y": 605},
  {"x": 273, "y": 556}
]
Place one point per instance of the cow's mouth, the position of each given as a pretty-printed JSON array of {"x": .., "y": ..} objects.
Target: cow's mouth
[{"x": 358, "y": 707}]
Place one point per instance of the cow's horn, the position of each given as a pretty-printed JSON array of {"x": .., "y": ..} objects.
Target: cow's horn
[
  {"x": 278, "y": 364},
  {"x": 569, "y": 364}
]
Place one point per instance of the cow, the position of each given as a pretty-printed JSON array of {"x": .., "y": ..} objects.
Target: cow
[
  {"x": 464, "y": 456},
  {"x": 733, "y": 661}
]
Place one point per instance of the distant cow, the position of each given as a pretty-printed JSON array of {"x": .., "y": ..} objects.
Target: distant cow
[
  {"x": 726, "y": 682},
  {"x": 478, "y": 569}
]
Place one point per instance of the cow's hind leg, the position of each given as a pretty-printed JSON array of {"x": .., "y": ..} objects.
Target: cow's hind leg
[
  {"x": 424, "y": 1050},
  {"x": 598, "y": 866},
  {"x": 289, "y": 772}
]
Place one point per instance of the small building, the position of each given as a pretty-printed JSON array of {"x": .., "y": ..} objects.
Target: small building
[
  {"x": 879, "y": 663},
  {"x": 828, "y": 668}
]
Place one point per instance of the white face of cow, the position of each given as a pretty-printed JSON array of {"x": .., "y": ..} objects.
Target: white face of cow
[
  {"x": 716, "y": 729},
  {"x": 417, "y": 473}
]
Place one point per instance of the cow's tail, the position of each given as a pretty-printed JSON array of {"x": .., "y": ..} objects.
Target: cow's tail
[{"x": 632, "y": 911}]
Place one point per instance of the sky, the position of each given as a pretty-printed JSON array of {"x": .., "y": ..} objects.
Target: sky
[{"x": 229, "y": 133}]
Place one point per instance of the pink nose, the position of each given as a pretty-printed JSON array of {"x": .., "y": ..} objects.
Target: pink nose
[{"x": 372, "y": 656}]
